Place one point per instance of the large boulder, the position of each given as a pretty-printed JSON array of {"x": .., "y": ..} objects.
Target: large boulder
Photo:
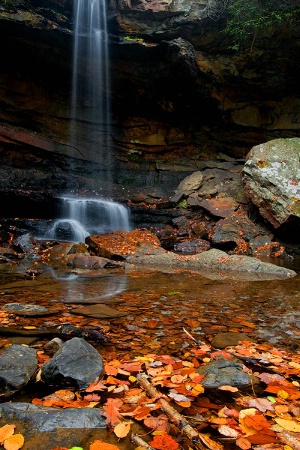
[
  {"x": 75, "y": 364},
  {"x": 271, "y": 178}
]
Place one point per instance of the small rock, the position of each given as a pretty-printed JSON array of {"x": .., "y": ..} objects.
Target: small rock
[
  {"x": 98, "y": 311},
  {"x": 223, "y": 372},
  {"x": 222, "y": 340}
]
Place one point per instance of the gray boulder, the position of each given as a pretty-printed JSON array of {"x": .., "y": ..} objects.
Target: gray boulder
[
  {"x": 271, "y": 177},
  {"x": 76, "y": 364}
]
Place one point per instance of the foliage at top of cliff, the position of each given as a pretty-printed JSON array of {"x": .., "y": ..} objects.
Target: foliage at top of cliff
[{"x": 247, "y": 20}]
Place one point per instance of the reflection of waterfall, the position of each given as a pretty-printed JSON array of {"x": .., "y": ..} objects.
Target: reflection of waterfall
[
  {"x": 81, "y": 217},
  {"x": 90, "y": 290}
]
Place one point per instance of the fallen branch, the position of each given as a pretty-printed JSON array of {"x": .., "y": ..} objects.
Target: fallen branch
[
  {"x": 139, "y": 441},
  {"x": 200, "y": 441}
]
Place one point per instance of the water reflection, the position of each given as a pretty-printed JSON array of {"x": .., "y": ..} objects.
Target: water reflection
[{"x": 265, "y": 310}]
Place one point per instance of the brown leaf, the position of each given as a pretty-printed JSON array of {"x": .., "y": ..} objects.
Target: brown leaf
[{"x": 159, "y": 423}]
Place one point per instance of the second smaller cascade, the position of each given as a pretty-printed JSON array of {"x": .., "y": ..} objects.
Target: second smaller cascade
[{"x": 82, "y": 217}]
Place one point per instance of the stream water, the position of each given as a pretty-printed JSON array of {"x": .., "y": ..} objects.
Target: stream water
[{"x": 157, "y": 305}]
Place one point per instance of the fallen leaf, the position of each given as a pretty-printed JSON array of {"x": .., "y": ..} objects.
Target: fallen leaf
[
  {"x": 6, "y": 431},
  {"x": 113, "y": 416},
  {"x": 159, "y": 423},
  {"x": 228, "y": 431},
  {"x": 288, "y": 425},
  {"x": 262, "y": 404},
  {"x": 122, "y": 429},
  {"x": 110, "y": 370},
  {"x": 164, "y": 442},
  {"x": 243, "y": 443},
  {"x": 261, "y": 438},
  {"x": 100, "y": 445},
  {"x": 14, "y": 442},
  {"x": 228, "y": 388},
  {"x": 257, "y": 421}
]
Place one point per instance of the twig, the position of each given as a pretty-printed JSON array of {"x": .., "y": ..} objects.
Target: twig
[
  {"x": 200, "y": 441},
  {"x": 139, "y": 441},
  {"x": 192, "y": 337}
]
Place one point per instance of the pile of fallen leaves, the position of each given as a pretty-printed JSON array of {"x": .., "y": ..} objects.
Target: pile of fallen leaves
[{"x": 164, "y": 395}]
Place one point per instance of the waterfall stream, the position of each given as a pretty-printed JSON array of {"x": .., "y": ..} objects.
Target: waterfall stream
[
  {"x": 81, "y": 217},
  {"x": 90, "y": 127}
]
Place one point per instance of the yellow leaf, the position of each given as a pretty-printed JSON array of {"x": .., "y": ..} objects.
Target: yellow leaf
[
  {"x": 282, "y": 394},
  {"x": 14, "y": 442},
  {"x": 197, "y": 389},
  {"x": 122, "y": 429},
  {"x": 294, "y": 364},
  {"x": 6, "y": 431},
  {"x": 132, "y": 378},
  {"x": 288, "y": 425},
  {"x": 29, "y": 327}
]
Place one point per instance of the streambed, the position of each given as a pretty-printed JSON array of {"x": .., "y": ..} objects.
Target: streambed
[{"x": 157, "y": 306}]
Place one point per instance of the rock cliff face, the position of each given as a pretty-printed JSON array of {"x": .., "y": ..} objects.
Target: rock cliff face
[{"x": 178, "y": 94}]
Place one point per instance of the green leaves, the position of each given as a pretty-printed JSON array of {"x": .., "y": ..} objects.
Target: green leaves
[{"x": 247, "y": 19}]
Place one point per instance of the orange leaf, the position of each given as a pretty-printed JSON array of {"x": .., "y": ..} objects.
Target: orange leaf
[
  {"x": 113, "y": 415},
  {"x": 110, "y": 370},
  {"x": 14, "y": 442},
  {"x": 100, "y": 445},
  {"x": 243, "y": 443},
  {"x": 258, "y": 422},
  {"x": 6, "y": 431},
  {"x": 261, "y": 439},
  {"x": 164, "y": 442},
  {"x": 152, "y": 323},
  {"x": 141, "y": 412},
  {"x": 122, "y": 429}
]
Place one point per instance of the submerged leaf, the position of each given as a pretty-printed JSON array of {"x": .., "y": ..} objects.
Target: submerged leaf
[
  {"x": 14, "y": 442},
  {"x": 122, "y": 429},
  {"x": 6, "y": 431}
]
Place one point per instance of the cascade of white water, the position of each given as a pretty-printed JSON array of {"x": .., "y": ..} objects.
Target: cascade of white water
[{"x": 81, "y": 217}]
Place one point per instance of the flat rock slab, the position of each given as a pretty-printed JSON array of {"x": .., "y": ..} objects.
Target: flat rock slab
[
  {"x": 29, "y": 309},
  {"x": 213, "y": 264},
  {"x": 44, "y": 427},
  {"x": 98, "y": 311}
]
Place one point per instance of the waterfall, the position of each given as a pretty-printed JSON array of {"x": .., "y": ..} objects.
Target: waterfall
[
  {"x": 81, "y": 217},
  {"x": 90, "y": 106},
  {"x": 90, "y": 127}
]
